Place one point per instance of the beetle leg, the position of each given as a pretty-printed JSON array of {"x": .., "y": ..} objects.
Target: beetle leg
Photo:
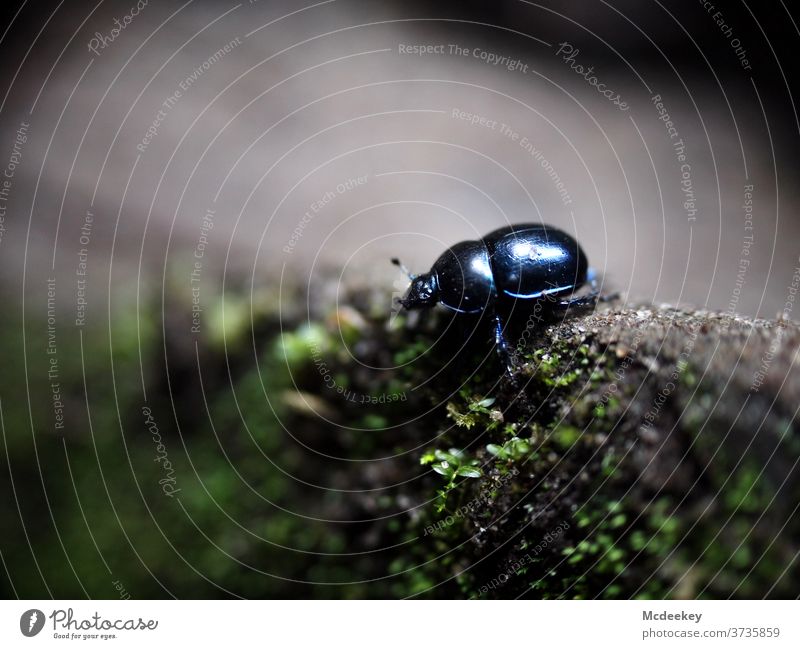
[
  {"x": 587, "y": 301},
  {"x": 584, "y": 301},
  {"x": 595, "y": 293},
  {"x": 502, "y": 346}
]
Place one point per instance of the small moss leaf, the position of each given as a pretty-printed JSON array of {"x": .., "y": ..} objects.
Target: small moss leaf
[
  {"x": 446, "y": 458},
  {"x": 427, "y": 458},
  {"x": 494, "y": 449},
  {"x": 443, "y": 468},
  {"x": 469, "y": 472}
]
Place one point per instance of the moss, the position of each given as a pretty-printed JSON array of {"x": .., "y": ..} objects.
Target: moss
[
  {"x": 565, "y": 436},
  {"x": 584, "y": 441},
  {"x": 571, "y": 479}
]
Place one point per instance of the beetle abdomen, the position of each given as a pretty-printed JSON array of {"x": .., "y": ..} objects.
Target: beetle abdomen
[
  {"x": 530, "y": 261},
  {"x": 465, "y": 279}
]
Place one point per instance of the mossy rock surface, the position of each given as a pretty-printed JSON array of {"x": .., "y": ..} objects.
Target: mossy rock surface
[{"x": 637, "y": 452}]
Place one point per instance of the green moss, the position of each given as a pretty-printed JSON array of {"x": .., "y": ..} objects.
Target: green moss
[
  {"x": 745, "y": 491},
  {"x": 565, "y": 436},
  {"x": 545, "y": 479}
]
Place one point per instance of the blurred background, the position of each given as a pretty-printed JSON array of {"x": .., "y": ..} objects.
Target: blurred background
[{"x": 174, "y": 170}]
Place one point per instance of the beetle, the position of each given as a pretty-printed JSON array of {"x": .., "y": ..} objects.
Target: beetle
[{"x": 526, "y": 261}]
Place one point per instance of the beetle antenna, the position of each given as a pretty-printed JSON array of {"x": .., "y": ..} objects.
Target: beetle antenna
[{"x": 402, "y": 267}]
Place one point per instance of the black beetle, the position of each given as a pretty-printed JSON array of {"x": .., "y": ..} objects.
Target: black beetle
[{"x": 526, "y": 261}]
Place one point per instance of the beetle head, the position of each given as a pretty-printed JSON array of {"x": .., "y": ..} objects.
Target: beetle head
[{"x": 423, "y": 293}]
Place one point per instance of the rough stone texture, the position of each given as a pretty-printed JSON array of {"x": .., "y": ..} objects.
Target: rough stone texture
[{"x": 657, "y": 456}]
